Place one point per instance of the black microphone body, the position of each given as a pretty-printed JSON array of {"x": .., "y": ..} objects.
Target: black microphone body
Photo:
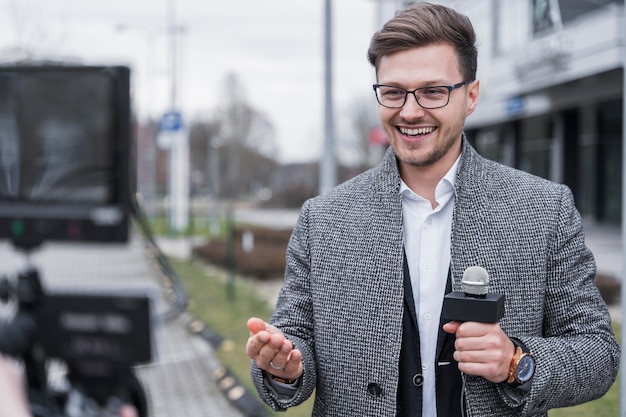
[{"x": 473, "y": 303}]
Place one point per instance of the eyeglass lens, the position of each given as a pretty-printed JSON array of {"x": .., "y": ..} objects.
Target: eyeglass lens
[{"x": 428, "y": 97}]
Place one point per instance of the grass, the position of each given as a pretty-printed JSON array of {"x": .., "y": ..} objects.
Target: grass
[{"x": 225, "y": 303}]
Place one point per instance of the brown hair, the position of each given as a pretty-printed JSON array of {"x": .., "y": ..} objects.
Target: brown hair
[{"x": 424, "y": 24}]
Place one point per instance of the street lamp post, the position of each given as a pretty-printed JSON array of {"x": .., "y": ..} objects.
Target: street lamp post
[
  {"x": 623, "y": 281},
  {"x": 328, "y": 166}
]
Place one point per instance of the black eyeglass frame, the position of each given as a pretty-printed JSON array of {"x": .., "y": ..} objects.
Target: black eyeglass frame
[{"x": 450, "y": 88}]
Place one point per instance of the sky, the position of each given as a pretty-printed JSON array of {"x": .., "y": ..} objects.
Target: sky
[{"x": 275, "y": 48}]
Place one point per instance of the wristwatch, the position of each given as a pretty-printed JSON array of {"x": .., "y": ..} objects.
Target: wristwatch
[{"x": 522, "y": 366}]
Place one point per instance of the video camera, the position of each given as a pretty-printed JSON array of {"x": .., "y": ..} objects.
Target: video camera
[{"x": 65, "y": 147}]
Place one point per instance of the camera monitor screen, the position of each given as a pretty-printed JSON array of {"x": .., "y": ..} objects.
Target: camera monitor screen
[{"x": 64, "y": 153}]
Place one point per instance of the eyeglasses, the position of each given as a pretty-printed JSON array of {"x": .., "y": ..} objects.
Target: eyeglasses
[{"x": 427, "y": 97}]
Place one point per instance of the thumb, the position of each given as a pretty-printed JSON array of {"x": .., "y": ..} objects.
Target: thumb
[
  {"x": 451, "y": 327},
  {"x": 255, "y": 325}
]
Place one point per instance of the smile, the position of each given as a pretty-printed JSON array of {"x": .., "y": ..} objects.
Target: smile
[{"x": 417, "y": 131}]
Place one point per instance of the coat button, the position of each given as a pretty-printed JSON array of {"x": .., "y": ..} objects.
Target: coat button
[
  {"x": 374, "y": 389},
  {"x": 418, "y": 380}
]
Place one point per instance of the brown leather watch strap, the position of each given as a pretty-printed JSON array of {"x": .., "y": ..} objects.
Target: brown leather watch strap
[{"x": 279, "y": 379}]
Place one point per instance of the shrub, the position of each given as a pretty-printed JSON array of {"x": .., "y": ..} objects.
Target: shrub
[
  {"x": 610, "y": 288},
  {"x": 264, "y": 260}
]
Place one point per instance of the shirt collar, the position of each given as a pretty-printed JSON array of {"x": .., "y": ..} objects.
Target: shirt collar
[{"x": 445, "y": 185}]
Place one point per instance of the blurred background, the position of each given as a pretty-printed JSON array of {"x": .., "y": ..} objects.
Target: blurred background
[
  {"x": 243, "y": 109},
  {"x": 231, "y": 99}
]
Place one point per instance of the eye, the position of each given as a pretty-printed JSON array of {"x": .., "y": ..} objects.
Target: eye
[
  {"x": 392, "y": 93},
  {"x": 434, "y": 91}
]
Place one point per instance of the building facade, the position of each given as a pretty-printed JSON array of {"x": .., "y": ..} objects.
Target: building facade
[{"x": 552, "y": 82}]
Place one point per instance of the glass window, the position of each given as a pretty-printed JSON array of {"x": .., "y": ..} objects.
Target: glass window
[
  {"x": 609, "y": 160},
  {"x": 572, "y": 9},
  {"x": 497, "y": 143},
  {"x": 536, "y": 145}
]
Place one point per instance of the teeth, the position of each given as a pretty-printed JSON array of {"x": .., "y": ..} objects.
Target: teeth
[{"x": 418, "y": 131}]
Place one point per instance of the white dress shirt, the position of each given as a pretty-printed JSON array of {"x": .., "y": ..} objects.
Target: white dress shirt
[{"x": 427, "y": 246}]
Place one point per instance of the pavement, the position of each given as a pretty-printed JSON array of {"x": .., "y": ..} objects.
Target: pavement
[
  {"x": 185, "y": 379},
  {"x": 606, "y": 244}
]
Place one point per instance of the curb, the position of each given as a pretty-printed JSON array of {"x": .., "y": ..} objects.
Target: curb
[{"x": 229, "y": 385}]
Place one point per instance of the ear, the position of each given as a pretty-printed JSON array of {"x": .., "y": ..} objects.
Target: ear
[{"x": 472, "y": 96}]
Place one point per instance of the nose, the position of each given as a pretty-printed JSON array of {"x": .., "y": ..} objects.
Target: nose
[{"x": 411, "y": 108}]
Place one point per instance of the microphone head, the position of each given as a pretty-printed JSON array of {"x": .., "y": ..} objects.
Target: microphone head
[{"x": 475, "y": 281}]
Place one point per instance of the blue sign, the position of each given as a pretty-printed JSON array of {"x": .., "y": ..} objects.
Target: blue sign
[
  {"x": 172, "y": 121},
  {"x": 515, "y": 105}
]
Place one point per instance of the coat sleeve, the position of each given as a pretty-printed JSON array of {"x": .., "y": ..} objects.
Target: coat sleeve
[
  {"x": 577, "y": 355},
  {"x": 294, "y": 316}
]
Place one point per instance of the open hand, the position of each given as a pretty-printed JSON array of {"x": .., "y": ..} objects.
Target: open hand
[{"x": 271, "y": 350}]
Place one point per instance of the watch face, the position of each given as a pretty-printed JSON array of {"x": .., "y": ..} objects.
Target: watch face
[{"x": 525, "y": 368}]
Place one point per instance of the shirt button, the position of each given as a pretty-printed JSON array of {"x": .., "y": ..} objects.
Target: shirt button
[
  {"x": 374, "y": 389},
  {"x": 427, "y": 266},
  {"x": 424, "y": 366},
  {"x": 427, "y": 316},
  {"x": 418, "y": 380},
  {"x": 429, "y": 221}
]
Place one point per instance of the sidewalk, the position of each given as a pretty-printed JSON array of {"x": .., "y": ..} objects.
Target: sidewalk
[
  {"x": 606, "y": 244},
  {"x": 184, "y": 378}
]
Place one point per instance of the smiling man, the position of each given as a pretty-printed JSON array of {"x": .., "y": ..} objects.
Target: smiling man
[{"x": 358, "y": 319}]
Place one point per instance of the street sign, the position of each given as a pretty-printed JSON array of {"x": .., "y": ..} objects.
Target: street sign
[{"x": 172, "y": 121}]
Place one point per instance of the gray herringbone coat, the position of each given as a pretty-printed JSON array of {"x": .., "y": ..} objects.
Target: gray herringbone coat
[{"x": 342, "y": 299}]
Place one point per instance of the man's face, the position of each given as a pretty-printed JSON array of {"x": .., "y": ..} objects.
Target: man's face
[{"x": 426, "y": 137}]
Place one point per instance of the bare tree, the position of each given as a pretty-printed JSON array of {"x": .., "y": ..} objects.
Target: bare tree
[
  {"x": 34, "y": 40},
  {"x": 356, "y": 150},
  {"x": 202, "y": 143},
  {"x": 247, "y": 146}
]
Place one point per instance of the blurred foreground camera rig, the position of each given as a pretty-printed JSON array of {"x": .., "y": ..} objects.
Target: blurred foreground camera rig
[{"x": 65, "y": 148}]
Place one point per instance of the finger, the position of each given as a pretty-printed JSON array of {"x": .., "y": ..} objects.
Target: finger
[
  {"x": 451, "y": 327},
  {"x": 283, "y": 353},
  {"x": 256, "y": 343},
  {"x": 270, "y": 347},
  {"x": 294, "y": 364},
  {"x": 293, "y": 367},
  {"x": 487, "y": 370},
  {"x": 476, "y": 329},
  {"x": 277, "y": 349},
  {"x": 256, "y": 325}
]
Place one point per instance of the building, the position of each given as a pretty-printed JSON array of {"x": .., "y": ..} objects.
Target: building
[{"x": 552, "y": 82}]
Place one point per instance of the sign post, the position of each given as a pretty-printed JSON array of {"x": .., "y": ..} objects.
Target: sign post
[{"x": 173, "y": 137}]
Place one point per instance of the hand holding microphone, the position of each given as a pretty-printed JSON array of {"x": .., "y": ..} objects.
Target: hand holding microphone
[
  {"x": 481, "y": 347},
  {"x": 474, "y": 303}
]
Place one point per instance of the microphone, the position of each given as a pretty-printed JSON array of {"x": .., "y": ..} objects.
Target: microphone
[{"x": 474, "y": 303}]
